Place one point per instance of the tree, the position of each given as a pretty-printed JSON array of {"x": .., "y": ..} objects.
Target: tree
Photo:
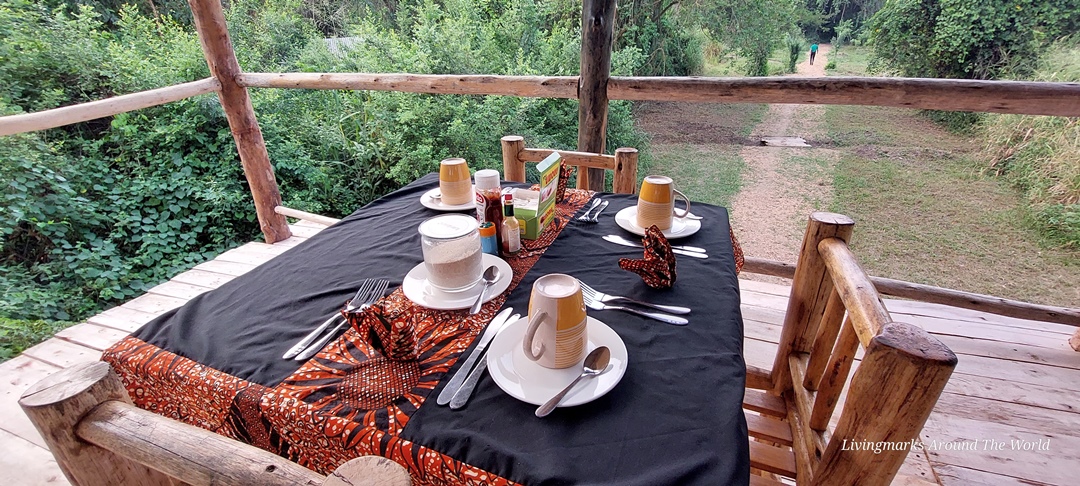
[{"x": 967, "y": 39}]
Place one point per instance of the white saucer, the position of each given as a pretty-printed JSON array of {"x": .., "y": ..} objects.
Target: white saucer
[
  {"x": 529, "y": 382},
  {"x": 419, "y": 290},
  {"x": 680, "y": 227},
  {"x": 429, "y": 201}
]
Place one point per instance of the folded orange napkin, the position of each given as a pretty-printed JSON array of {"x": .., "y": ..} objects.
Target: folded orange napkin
[{"x": 657, "y": 269}]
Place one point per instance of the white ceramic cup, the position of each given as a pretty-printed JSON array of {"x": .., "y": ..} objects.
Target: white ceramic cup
[
  {"x": 656, "y": 202},
  {"x": 557, "y": 335}
]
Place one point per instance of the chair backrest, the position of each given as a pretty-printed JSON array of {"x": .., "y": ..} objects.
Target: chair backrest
[
  {"x": 833, "y": 309},
  {"x": 623, "y": 163}
]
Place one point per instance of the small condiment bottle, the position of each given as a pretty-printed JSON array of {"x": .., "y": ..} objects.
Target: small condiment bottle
[
  {"x": 488, "y": 242},
  {"x": 489, "y": 200},
  {"x": 511, "y": 229}
]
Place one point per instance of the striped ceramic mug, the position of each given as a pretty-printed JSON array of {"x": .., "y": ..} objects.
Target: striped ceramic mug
[
  {"x": 656, "y": 202},
  {"x": 558, "y": 333}
]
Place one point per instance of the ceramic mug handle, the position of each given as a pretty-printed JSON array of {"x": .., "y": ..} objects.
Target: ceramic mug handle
[
  {"x": 530, "y": 336},
  {"x": 685, "y": 199}
]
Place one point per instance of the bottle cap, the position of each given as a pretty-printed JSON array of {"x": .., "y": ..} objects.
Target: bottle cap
[
  {"x": 487, "y": 179},
  {"x": 487, "y": 229}
]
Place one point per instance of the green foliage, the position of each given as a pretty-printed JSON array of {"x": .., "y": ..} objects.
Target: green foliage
[
  {"x": 755, "y": 29},
  {"x": 1040, "y": 155},
  {"x": 831, "y": 64},
  {"x": 967, "y": 39},
  {"x": 17, "y": 335},
  {"x": 795, "y": 46},
  {"x": 672, "y": 44}
]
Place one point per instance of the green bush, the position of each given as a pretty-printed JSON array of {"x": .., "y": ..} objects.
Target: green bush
[{"x": 17, "y": 335}]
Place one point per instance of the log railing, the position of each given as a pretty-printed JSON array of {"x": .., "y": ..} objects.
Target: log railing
[
  {"x": 833, "y": 309},
  {"x": 99, "y": 437}
]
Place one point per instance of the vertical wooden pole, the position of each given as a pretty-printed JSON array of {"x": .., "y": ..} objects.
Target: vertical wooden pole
[
  {"x": 1074, "y": 341},
  {"x": 625, "y": 170},
  {"x": 217, "y": 47},
  {"x": 810, "y": 291},
  {"x": 513, "y": 167},
  {"x": 916, "y": 367},
  {"x": 59, "y": 402},
  {"x": 597, "y": 19}
]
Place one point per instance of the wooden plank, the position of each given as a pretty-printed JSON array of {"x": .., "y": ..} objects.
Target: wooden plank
[
  {"x": 154, "y": 304},
  {"x": 968, "y": 315},
  {"x": 1037, "y": 419},
  {"x": 764, "y": 403},
  {"x": 224, "y": 267},
  {"x": 1020, "y": 97},
  {"x": 63, "y": 354},
  {"x": 252, "y": 254},
  {"x": 993, "y": 388},
  {"x": 304, "y": 231},
  {"x": 178, "y": 290},
  {"x": 772, "y": 459},
  {"x": 306, "y": 216},
  {"x": 290, "y": 241},
  {"x": 27, "y": 464},
  {"x": 122, "y": 318},
  {"x": 979, "y": 302},
  {"x": 92, "y": 336},
  {"x": 747, "y": 285},
  {"x": 16, "y": 375},
  {"x": 759, "y": 353},
  {"x": 1012, "y": 351},
  {"x": 1017, "y": 372},
  {"x": 961, "y": 441},
  {"x": 769, "y": 429},
  {"x": 951, "y": 475},
  {"x": 784, "y": 142},
  {"x": 67, "y": 115},
  {"x": 987, "y": 332},
  {"x": 203, "y": 278}
]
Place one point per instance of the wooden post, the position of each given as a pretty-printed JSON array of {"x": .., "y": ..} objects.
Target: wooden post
[
  {"x": 370, "y": 470},
  {"x": 810, "y": 291},
  {"x": 59, "y": 402},
  {"x": 1074, "y": 341},
  {"x": 914, "y": 366},
  {"x": 597, "y": 19},
  {"x": 625, "y": 171},
  {"x": 217, "y": 47},
  {"x": 513, "y": 167}
]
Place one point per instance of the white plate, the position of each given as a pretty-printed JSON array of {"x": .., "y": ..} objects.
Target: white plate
[
  {"x": 529, "y": 382},
  {"x": 680, "y": 227},
  {"x": 429, "y": 201},
  {"x": 419, "y": 290}
]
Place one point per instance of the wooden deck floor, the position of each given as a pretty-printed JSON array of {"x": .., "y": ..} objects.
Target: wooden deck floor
[{"x": 1017, "y": 384}]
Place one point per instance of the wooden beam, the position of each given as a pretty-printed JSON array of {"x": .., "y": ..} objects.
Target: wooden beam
[
  {"x": 625, "y": 180},
  {"x": 892, "y": 393},
  {"x": 28, "y": 122},
  {"x": 597, "y": 21},
  {"x": 459, "y": 84},
  {"x": 513, "y": 166},
  {"x": 834, "y": 377},
  {"x": 305, "y": 216},
  {"x": 824, "y": 340},
  {"x": 861, "y": 298},
  {"x": 1020, "y": 97},
  {"x": 217, "y": 47}
]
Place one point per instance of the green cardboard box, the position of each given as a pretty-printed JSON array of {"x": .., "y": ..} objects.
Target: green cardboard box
[{"x": 536, "y": 209}]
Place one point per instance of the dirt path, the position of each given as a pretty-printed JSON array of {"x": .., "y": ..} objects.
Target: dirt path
[{"x": 784, "y": 185}]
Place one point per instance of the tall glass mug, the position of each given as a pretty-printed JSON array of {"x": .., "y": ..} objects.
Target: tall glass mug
[
  {"x": 452, "y": 256},
  {"x": 656, "y": 202},
  {"x": 557, "y": 334},
  {"x": 455, "y": 183}
]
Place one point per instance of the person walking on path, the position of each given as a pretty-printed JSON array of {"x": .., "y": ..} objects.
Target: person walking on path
[{"x": 813, "y": 53}]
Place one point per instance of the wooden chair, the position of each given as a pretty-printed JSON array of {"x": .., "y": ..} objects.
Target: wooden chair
[
  {"x": 833, "y": 309},
  {"x": 623, "y": 163}
]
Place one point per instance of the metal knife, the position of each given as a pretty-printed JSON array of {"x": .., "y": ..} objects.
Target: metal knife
[
  {"x": 452, "y": 386},
  {"x": 620, "y": 241},
  {"x": 466, "y": 389}
]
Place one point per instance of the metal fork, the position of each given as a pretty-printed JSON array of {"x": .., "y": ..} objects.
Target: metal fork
[
  {"x": 375, "y": 294},
  {"x": 361, "y": 295},
  {"x": 592, "y": 303},
  {"x": 585, "y": 216},
  {"x": 605, "y": 298},
  {"x": 596, "y": 217}
]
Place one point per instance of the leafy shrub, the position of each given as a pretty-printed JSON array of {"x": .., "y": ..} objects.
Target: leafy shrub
[
  {"x": 17, "y": 335},
  {"x": 795, "y": 46}
]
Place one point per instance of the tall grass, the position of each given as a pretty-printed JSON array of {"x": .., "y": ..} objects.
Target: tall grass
[{"x": 1041, "y": 154}]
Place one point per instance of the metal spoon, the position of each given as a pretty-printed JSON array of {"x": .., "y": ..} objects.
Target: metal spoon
[
  {"x": 595, "y": 363},
  {"x": 491, "y": 274}
]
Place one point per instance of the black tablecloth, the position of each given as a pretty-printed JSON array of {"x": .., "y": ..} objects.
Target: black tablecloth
[{"x": 675, "y": 418}]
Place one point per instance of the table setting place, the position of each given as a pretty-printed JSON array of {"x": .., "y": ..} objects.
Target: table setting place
[{"x": 494, "y": 333}]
